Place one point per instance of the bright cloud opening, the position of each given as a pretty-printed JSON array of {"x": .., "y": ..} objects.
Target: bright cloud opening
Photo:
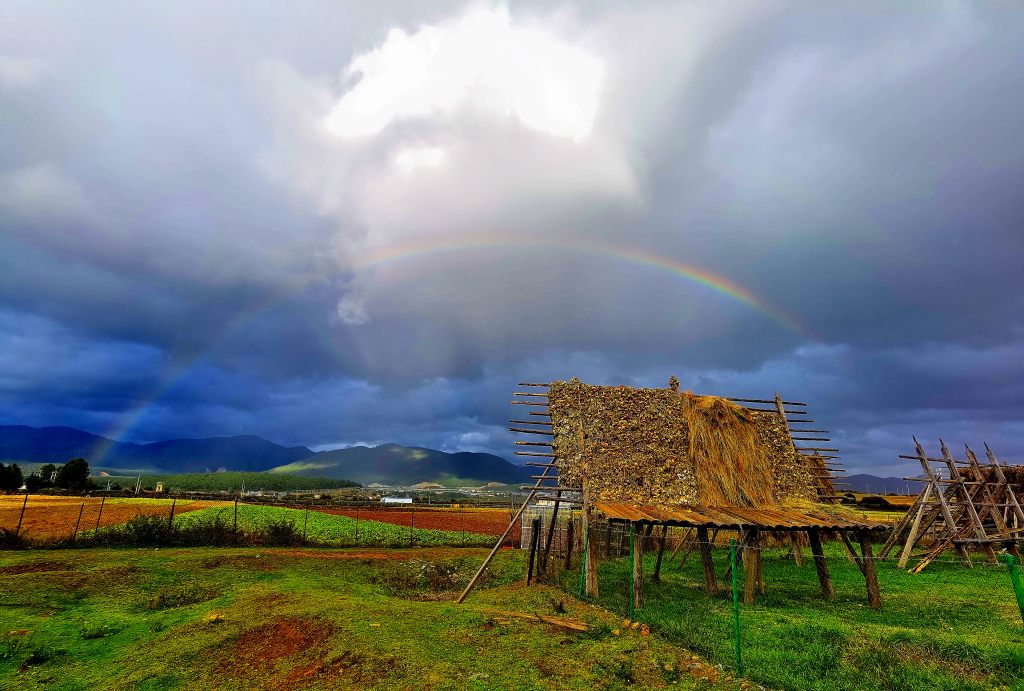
[
  {"x": 408, "y": 160},
  {"x": 481, "y": 62}
]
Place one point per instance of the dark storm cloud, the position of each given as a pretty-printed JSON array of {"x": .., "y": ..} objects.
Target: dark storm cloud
[{"x": 185, "y": 238}]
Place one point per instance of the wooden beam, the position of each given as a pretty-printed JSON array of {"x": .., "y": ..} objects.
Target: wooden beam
[
  {"x": 914, "y": 527},
  {"x": 819, "y": 564},
  {"x": 704, "y": 544},
  {"x": 534, "y": 541},
  {"x": 870, "y": 576},
  {"x": 661, "y": 551},
  {"x": 637, "y": 543}
]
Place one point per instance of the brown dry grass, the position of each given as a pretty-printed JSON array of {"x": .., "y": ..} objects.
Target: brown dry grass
[{"x": 726, "y": 453}]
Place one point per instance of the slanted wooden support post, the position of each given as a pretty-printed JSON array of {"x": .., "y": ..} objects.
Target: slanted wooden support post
[
  {"x": 637, "y": 548},
  {"x": 819, "y": 563},
  {"x": 914, "y": 527},
  {"x": 851, "y": 551},
  {"x": 704, "y": 545},
  {"x": 870, "y": 576},
  {"x": 661, "y": 551}
]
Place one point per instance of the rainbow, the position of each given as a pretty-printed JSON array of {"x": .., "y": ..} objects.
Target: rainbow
[{"x": 412, "y": 251}]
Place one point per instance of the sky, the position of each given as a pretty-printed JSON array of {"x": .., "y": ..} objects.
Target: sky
[{"x": 338, "y": 223}]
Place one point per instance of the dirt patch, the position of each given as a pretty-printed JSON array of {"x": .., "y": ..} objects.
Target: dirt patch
[
  {"x": 37, "y": 567},
  {"x": 481, "y": 521},
  {"x": 263, "y": 647}
]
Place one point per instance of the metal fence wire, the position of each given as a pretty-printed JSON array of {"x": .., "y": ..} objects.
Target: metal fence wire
[{"x": 50, "y": 520}]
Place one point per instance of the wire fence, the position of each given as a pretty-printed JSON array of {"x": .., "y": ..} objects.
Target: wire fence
[{"x": 48, "y": 520}]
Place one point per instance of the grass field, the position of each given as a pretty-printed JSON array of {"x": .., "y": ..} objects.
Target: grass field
[
  {"x": 275, "y": 619},
  {"x": 383, "y": 618},
  {"x": 946, "y": 628}
]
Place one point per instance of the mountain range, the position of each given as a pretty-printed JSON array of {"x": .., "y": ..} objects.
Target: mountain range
[{"x": 388, "y": 464}]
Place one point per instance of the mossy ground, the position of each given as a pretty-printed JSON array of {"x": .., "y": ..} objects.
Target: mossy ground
[{"x": 288, "y": 618}]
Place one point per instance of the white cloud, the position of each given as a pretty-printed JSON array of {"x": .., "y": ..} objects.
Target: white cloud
[
  {"x": 352, "y": 311},
  {"x": 43, "y": 192},
  {"x": 411, "y": 159},
  {"x": 19, "y": 71},
  {"x": 480, "y": 62}
]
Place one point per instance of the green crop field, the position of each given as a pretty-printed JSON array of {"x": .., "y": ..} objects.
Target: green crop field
[{"x": 329, "y": 530}]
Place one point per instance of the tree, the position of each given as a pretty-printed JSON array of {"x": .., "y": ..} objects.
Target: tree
[
  {"x": 46, "y": 474},
  {"x": 73, "y": 475},
  {"x": 10, "y": 477},
  {"x": 34, "y": 483}
]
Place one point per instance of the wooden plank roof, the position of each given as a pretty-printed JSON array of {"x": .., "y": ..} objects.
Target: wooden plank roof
[{"x": 731, "y": 517}]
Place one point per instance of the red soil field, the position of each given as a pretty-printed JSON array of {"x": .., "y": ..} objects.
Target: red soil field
[{"x": 55, "y": 517}]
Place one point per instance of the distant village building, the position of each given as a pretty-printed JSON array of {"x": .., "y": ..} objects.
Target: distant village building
[{"x": 396, "y": 500}]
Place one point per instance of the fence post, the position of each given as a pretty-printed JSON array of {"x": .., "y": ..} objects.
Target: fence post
[
  {"x": 412, "y": 525},
  {"x": 735, "y": 606},
  {"x": 74, "y": 535},
  {"x": 632, "y": 570},
  {"x": 305, "y": 522},
  {"x": 357, "y": 525},
  {"x": 103, "y": 500},
  {"x": 462, "y": 513},
  {"x": 583, "y": 567},
  {"x": 17, "y": 531},
  {"x": 1018, "y": 588},
  {"x": 235, "y": 531}
]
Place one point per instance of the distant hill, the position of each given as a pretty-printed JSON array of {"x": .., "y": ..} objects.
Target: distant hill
[
  {"x": 872, "y": 484},
  {"x": 391, "y": 464},
  {"x": 60, "y": 444}
]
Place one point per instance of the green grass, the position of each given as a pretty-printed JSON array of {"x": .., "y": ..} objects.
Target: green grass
[
  {"x": 257, "y": 618},
  {"x": 946, "y": 628},
  {"x": 329, "y": 530}
]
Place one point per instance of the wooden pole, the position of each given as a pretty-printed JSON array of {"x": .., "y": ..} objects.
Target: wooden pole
[
  {"x": 870, "y": 576},
  {"x": 534, "y": 542},
  {"x": 915, "y": 526},
  {"x": 236, "y": 521},
  {"x": 661, "y": 551},
  {"x": 704, "y": 545},
  {"x": 750, "y": 554},
  {"x": 511, "y": 524},
  {"x": 21, "y": 516},
  {"x": 798, "y": 551},
  {"x": 103, "y": 500},
  {"x": 819, "y": 563},
  {"x": 551, "y": 533},
  {"x": 75, "y": 534},
  {"x": 637, "y": 544}
]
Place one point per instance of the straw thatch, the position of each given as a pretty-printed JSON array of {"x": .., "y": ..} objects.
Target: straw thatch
[{"x": 665, "y": 447}]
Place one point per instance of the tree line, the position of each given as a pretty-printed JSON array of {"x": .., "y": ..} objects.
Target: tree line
[{"x": 73, "y": 475}]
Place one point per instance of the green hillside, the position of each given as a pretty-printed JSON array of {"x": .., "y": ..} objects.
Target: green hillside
[
  {"x": 395, "y": 465},
  {"x": 231, "y": 481}
]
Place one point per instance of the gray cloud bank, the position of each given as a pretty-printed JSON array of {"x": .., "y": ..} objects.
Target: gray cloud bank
[{"x": 188, "y": 249}]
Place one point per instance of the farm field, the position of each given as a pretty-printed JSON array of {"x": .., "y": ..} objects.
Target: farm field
[
  {"x": 53, "y": 517},
  {"x": 324, "y": 528},
  {"x": 282, "y": 619},
  {"x": 486, "y": 521}
]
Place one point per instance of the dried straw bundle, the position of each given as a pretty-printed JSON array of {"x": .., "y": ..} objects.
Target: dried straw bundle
[{"x": 726, "y": 453}]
